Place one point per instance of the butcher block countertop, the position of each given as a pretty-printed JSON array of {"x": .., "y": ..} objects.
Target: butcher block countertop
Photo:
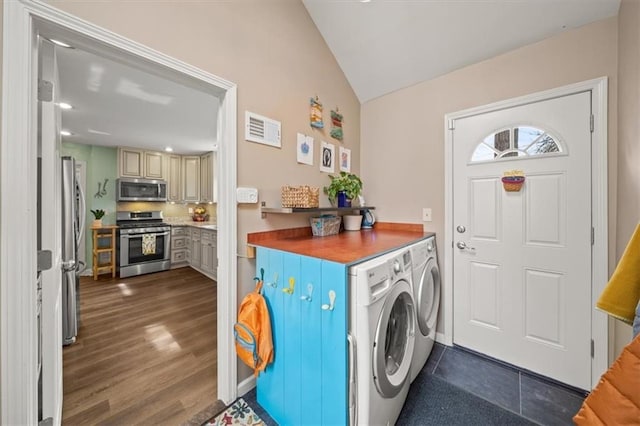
[{"x": 349, "y": 247}]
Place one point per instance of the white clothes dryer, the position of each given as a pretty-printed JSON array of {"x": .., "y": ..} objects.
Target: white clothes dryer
[
  {"x": 426, "y": 292},
  {"x": 381, "y": 328}
]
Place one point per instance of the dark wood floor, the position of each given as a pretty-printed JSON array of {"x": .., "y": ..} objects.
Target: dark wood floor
[{"x": 146, "y": 350}]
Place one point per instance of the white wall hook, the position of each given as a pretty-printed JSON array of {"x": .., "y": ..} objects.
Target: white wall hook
[
  {"x": 274, "y": 283},
  {"x": 332, "y": 300},
  {"x": 307, "y": 297}
]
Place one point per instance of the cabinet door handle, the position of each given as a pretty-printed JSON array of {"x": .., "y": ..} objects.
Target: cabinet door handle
[{"x": 332, "y": 301}]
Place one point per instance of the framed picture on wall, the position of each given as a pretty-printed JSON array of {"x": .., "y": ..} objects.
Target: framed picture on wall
[
  {"x": 345, "y": 160},
  {"x": 327, "y": 157}
]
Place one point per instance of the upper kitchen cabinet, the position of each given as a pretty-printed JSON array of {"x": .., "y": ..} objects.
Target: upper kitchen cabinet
[
  {"x": 174, "y": 178},
  {"x": 191, "y": 179},
  {"x": 208, "y": 181},
  {"x": 137, "y": 163}
]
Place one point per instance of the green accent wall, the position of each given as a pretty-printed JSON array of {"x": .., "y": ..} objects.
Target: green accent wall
[{"x": 101, "y": 164}]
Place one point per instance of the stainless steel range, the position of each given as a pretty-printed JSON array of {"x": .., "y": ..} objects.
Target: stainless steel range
[{"x": 144, "y": 243}]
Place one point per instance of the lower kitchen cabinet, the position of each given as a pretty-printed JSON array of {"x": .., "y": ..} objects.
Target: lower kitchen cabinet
[
  {"x": 178, "y": 247},
  {"x": 196, "y": 248},
  {"x": 308, "y": 381},
  {"x": 209, "y": 253}
]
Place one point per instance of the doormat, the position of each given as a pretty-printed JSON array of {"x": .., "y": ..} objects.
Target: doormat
[{"x": 238, "y": 413}]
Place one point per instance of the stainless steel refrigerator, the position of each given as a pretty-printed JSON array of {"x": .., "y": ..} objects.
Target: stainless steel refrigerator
[{"x": 73, "y": 220}]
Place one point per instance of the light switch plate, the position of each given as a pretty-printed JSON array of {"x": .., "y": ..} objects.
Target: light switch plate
[
  {"x": 426, "y": 214},
  {"x": 247, "y": 195}
]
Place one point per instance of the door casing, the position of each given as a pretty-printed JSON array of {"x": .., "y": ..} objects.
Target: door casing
[
  {"x": 599, "y": 213},
  {"x": 22, "y": 20}
]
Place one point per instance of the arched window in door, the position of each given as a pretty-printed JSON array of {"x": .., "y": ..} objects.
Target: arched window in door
[{"x": 519, "y": 141}]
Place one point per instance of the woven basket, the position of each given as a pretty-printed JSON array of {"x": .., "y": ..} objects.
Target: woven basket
[
  {"x": 512, "y": 183},
  {"x": 325, "y": 225},
  {"x": 300, "y": 196}
]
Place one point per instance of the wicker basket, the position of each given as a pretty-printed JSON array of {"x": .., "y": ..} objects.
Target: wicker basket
[
  {"x": 512, "y": 183},
  {"x": 325, "y": 225},
  {"x": 300, "y": 196}
]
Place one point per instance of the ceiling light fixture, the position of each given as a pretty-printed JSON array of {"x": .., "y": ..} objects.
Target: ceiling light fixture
[
  {"x": 60, "y": 43},
  {"x": 365, "y": 1},
  {"x": 65, "y": 105},
  {"x": 65, "y": 133},
  {"x": 168, "y": 149}
]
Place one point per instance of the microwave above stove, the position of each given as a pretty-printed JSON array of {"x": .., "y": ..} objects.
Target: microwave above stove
[{"x": 141, "y": 190}]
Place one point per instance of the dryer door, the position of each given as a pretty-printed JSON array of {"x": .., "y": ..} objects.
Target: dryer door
[
  {"x": 428, "y": 297},
  {"x": 394, "y": 340}
]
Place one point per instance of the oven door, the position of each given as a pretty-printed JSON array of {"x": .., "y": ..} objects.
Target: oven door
[{"x": 136, "y": 248}]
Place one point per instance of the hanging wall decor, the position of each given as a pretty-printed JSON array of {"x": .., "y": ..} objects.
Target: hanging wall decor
[
  {"x": 345, "y": 160},
  {"x": 102, "y": 189},
  {"x": 336, "y": 125},
  {"x": 316, "y": 113},
  {"x": 513, "y": 180}
]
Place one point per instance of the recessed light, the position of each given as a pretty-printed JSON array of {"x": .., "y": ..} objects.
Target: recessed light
[
  {"x": 65, "y": 133},
  {"x": 168, "y": 149},
  {"x": 365, "y": 1},
  {"x": 60, "y": 43},
  {"x": 65, "y": 105}
]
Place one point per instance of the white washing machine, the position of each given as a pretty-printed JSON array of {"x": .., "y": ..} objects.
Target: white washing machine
[
  {"x": 426, "y": 293},
  {"x": 381, "y": 337}
]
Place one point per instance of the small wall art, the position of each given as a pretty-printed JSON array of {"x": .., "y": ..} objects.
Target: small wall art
[
  {"x": 327, "y": 155},
  {"x": 102, "y": 189},
  {"x": 305, "y": 149},
  {"x": 336, "y": 125},
  {"x": 345, "y": 160},
  {"x": 316, "y": 113}
]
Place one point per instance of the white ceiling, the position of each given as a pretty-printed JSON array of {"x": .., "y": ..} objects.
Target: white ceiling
[
  {"x": 385, "y": 45},
  {"x": 115, "y": 104}
]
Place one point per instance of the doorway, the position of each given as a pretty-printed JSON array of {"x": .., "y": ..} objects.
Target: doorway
[
  {"x": 517, "y": 261},
  {"x": 24, "y": 21}
]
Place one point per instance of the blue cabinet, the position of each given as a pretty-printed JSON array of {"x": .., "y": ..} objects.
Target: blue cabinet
[{"x": 307, "y": 382}]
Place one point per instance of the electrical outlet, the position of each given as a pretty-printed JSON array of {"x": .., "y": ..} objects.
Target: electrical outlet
[
  {"x": 190, "y": 210},
  {"x": 426, "y": 214}
]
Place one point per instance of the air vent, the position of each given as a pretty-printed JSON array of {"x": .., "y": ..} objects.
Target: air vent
[{"x": 262, "y": 129}]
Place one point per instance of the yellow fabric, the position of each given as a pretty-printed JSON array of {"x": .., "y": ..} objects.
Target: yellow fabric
[{"x": 620, "y": 297}]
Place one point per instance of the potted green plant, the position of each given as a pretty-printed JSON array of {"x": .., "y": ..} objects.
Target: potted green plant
[
  {"x": 343, "y": 188},
  {"x": 98, "y": 214}
]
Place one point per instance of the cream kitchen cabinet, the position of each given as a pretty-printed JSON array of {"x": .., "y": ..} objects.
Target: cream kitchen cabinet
[
  {"x": 174, "y": 178},
  {"x": 178, "y": 246},
  {"x": 209, "y": 253},
  {"x": 208, "y": 181},
  {"x": 196, "y": 248},
  {"x": 137, "y": 163},
  {"x": 191, "y": 179}
]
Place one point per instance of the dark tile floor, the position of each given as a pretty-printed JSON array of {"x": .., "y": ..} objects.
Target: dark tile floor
[
  {"x": 535, "y": 398},
  {"x": 530, "y": 396}
]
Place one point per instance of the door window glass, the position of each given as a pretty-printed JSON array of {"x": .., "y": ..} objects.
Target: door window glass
[{"x": 519, "y": 141}]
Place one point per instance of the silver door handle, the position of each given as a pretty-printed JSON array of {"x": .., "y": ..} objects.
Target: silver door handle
[
  {"x": 463, "y": 246},
  {"x": 69, "y": 265}
]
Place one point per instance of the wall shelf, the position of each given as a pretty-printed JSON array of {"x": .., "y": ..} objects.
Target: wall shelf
[{"x": 290, "y": 210}]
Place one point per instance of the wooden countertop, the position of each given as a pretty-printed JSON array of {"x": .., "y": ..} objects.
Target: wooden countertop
[{"x": 347, "y": 247}]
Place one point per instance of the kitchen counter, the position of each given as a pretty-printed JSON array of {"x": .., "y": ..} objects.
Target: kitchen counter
[
  {"x": 349, "y": 247},
  {"x": 205, "y": 225}
]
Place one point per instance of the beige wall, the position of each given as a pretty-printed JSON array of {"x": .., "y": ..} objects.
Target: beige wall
[
  {"x": 628, "y": 213},
  {"x": 408, "y": 125},
  {"x": 278, "y": 59}
]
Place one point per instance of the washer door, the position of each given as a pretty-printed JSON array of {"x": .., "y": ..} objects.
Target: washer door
[
  {"x": 394, "y": 340},
  {"x": 428, "y": 297}
]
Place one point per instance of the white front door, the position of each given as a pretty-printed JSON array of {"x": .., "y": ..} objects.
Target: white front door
[{"x": 522, "y": 284}]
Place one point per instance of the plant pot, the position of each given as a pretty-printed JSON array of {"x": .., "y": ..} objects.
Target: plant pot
[
  {"x": 352, "y": 222},
  {"x": 343, "y": 201},
  {"x": 97, "y": 223}
]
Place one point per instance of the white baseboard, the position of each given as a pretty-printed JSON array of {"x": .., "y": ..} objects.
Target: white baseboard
[
  {"x": 246, "y": 385},
  {"x": 440, "y": 338}
]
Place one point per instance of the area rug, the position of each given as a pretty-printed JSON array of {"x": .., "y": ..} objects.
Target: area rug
[{"x": 238, "y": 413}]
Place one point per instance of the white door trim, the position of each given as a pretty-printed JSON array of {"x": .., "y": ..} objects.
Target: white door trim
[
  {"x": 599, "y": 272},
  {"x": 21, "y": 20}
]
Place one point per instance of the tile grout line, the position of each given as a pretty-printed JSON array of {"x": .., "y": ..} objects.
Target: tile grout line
[
  {"x": 520, "y": 391},
  {"x": 438, "y": 361}
]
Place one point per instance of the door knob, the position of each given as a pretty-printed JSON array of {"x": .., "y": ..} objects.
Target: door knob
[
  {"x": 463, "y": 246},
  {"x": 461, "y": 229}
]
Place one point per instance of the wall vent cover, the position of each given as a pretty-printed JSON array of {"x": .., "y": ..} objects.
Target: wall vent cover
[{"x": 262, "y": 129}]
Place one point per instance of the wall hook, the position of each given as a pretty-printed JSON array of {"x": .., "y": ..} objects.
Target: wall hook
[
  {"x": 332, "y": 300},
  {"x": 307, "y": 297},
  {"x": 274, "y": 283},
  {"x": 292, "y": 284},
  {"x": 261, "y": 278}
]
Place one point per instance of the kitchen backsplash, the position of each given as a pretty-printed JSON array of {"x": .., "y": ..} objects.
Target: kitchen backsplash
[{"x": 171, "y": 212}]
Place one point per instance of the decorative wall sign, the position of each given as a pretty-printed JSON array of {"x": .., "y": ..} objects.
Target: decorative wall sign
[
  {"x": 336, "y": 125},
  {"x": 513, "y": 180},
  {"x": 101, "y": 191},
  {"x": 327, "y": 157},
  {"x": 305, "y": 149},
  {"x": 316, "y": 113},
  {"x": 345, "y": 160}
]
